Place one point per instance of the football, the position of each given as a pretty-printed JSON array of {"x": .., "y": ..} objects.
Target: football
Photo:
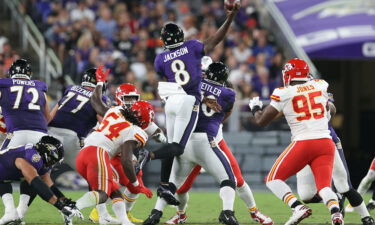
[{"x": 229, "y": 4}]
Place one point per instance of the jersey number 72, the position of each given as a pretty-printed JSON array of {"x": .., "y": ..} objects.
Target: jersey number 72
[{"x": 303, "y": 105}]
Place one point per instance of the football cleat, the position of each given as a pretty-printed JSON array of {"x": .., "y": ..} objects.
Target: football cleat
[
  {"x": 371, "y": 205},
  {"x": 341, "y": 199},
  {"x": 257, "y": 216},
  {"x": 10, "y": 219},
  {"x": 299, "y": 213},
  {"x": 154, "y": 218},
  {"x": 179, "y": 218},
  {"x": 108, "y": 219},
  {"x": 227, "y": 217},
  {"x": 349, "y": 208},
  {"x": 94, "y": 216},
  {"x": 368, "y": 220},
  {"x": 337, "y": 219},
  {"x": 133, "y": 219},
  {"x": 164, "y": 192}
]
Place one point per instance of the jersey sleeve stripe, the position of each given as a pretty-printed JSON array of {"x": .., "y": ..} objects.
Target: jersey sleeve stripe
[
  {"x": 276, "y": 98},
  {"x": 140, "y": 138}
]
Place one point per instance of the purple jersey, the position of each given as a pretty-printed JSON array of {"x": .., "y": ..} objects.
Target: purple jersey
[
  {"x": 182, "y": 65},
  {"x": 23, "y": 103},
  {"x": 8, "y": 169},
  {"x": 75, "y": 111},
  {"x": 209, "y": 121}
]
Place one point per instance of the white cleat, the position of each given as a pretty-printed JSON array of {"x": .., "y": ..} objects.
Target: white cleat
[
  {"x": 10, "y": 218},
  {"x": 337, "y": 219},
  {"x": 349, "y": 208},
  {"x": 257, "y": 216},
  {"x": 177, "y": 219},
  {"x": 299, "y": 213},
  {"x": 108, "y": 219}
]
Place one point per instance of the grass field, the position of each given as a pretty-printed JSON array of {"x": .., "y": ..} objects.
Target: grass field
[{"x": 204, "y": 208}]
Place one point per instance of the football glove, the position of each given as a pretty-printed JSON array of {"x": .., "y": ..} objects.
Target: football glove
[
  {"x": 140, "y": 188},
  {"x": 160, "y": 137},
  {"x": 70, "y": 212},
  {"x": 255, "y": 104},
  {"x": 101, "y": 76}
]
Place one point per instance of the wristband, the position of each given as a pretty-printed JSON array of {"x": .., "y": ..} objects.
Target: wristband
[
  {"x": 100, "y": 83},
  {"x": 255, "y": 109},
  {"x": 59, "y": 205},
  {"x": 136, "y": 183}
]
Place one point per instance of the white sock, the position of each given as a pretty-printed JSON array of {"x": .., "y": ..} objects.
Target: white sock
[
  {"x": 8, "y": 203},
  {"x": 227, "y": 195},
  {"x": 130, "y": 199},
  {"x": 282, "y": 191},
  {"x": 102, "y": 209},
  {"x": 245, "y": 193},
  {"x": 366, "y": 182},
  {"x": 118, "y": 206},
  {"x": 362, "y": 210},
  {"x": 23, "y": 205},
  {"x": 160, "y": 204},
  {"x": 183, "y": 198},
  {"x": 89, "y": 199},
  {"x": 329, "y": 198}
]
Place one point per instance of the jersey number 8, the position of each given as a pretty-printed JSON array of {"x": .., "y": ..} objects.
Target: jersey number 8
[
  {"x": 181, "y": 76},
  {"x": 303, "y": 105}
]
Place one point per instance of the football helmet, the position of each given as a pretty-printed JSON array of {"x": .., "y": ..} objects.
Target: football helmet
[
  {"x": 141, "y": 113},
  {"x": 172, "y": 35},
  {"x": 124, "y": 92},
  {"x": 217, "y": 72},
  {"x": 20, "y": 69},
  {"x": 295, "y": 70},
  {"x": 89, "y": 78},
  {"x": 51, "y": 150}
]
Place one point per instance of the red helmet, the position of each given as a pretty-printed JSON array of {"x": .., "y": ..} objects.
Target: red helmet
[
  {"x": 126, "y": 90},
  {"x": 143, "y": 112},
  {"x": 295, "y": 70}
]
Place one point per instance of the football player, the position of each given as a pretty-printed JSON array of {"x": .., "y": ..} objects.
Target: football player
[
  {"x": 341, "y": 179},
  {"x": 202, "y": 148},
  {"x": 364, "y": 186},
  {"x": 26, "y": 112},
  {"x": 304, "y": 104},
  {"x": 120, "y": 133},
  {"x": 217, "y": 75},
  {"x": 32, "y": 163},
  {"x": 126, "y": 95},
  {"x": 180, "y": 66}
]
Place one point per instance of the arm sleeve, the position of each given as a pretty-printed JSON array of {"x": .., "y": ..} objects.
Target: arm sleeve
[
  {"x": 198, "y": 48},
  {"x": 230, "y": 102},
  {"x": 278, "y": 99},
  {"x": 138, "y": 135},
  {"x": 150, "y": 130}
]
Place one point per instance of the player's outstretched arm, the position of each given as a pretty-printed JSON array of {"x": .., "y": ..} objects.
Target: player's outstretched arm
[
  {"x": 96, "y": 99},
  {"x": 215, "y": 39},
  {"x": 135, "y": 186},
  {"x": 32, "y": 177},
  {"x": 264, "y": 117}
]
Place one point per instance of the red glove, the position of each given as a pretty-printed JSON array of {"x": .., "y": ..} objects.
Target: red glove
[
  {"x": 140, "y": 189},
  {"x": 101, "y": 76}
]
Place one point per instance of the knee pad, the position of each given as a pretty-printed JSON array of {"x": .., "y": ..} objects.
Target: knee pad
[
  {"x": 177, "y": 149},
  {"x": 229, "y": 183},
  {"x": 355, "y": 199},
  {"x": 5, "y": 187}
]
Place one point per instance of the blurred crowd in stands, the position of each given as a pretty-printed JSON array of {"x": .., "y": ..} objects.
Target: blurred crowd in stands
[
  {"x": 7, "y": 54},
  {"x": 124, "y": 35}
]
